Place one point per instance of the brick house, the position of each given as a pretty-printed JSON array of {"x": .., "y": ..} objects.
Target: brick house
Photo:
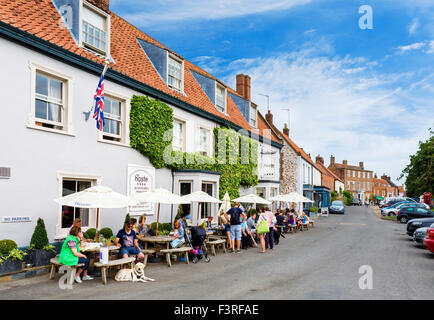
[{"x": 357, "y": 179}]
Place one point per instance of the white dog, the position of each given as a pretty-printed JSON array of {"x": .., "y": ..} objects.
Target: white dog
[{"x": 134, "y": 275}]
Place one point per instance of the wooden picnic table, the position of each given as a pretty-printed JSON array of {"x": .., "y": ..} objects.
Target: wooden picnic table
[{"x": 159, "y": 239}]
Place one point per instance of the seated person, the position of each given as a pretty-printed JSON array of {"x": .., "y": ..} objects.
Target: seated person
[
  {"x": 291, "y": 220},
  {"x": 70, "y": 254},
  {"x": 126, "y": 240},
  {"x": 134, "y": 222},
  {"x": 246, "y": 236},
  {"x": 77, "y": 223},
  {"x": 142, "y": 229},
  {"x": 178, "y": 233},
  {"x": 209, "y": 224}
]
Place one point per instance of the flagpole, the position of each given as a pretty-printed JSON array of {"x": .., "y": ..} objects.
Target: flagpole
[{"x": 87, "y": 114}]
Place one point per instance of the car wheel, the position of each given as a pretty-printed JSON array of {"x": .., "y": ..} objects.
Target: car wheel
[{"x": 403, "y": 220}]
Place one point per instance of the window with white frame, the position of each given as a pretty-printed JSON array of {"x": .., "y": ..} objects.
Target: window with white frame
[
  {"x": 113, "y": 117},
  {"x": 178, "y": 135},
  {"x": 69, "y": 214},
  {"x": 174, "y": 73},
  {"x": 253, "y": 117},
  {"x": 220, "y": 98},
  {"x": 349, "y": 185},
  {"x": 95, "y": 29},
  {"x": 349, "y": 173},
  {"x": 354, "y": 174},
  {"x": 204, "y": 142},
  {"x": 49, "y": 101}
]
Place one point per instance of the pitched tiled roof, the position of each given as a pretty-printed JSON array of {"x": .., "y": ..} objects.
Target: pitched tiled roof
[
  {"x": 40, "y": 18},
  {"x": 347, "y": 166},
  {"x": 327, "y": 171}
]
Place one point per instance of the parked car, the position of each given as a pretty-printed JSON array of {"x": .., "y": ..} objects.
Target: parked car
[
  {"x": 337, "y": 206},
  {"x": 420, "y": 234},
  {"x": 395, "y": 200},
  {"x": 429, "y": 239},
  {"x": 393, "y": 210},
  {"x": 356, "y": 202},
  {"x": 418, "y": 223},
  {"x": 409, "y": 213}
]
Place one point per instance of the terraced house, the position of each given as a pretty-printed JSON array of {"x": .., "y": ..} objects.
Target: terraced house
[{"x": 53, "y": 53}]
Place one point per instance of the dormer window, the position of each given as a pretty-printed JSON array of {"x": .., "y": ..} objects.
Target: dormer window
[
  {"x": 95, "y": 30},
  {"x": 253, "y": 116},
  {"x": 174, "y": 73},
  {"x": 220, "y": 98}
]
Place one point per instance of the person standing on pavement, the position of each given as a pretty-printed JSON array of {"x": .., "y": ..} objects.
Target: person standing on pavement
[
  {"x": 269, "y": 237},
  {"x": 262, "y": 216},
  {"x": 235, "y": 223},
  {"x": 225, "y": 222}
]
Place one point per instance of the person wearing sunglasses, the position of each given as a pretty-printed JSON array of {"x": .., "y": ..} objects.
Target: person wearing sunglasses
[{"x": 127, "y": 241}]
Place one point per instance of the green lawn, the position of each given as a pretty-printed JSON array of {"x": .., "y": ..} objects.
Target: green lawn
[{"x": 393, "y": 218}]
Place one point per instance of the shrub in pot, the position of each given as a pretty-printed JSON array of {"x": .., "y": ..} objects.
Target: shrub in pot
[
  {"x": 11, "y": 259},
  {"x": 40, "y": 251},
  {"x": 90, "y": 234},
  {"x": 107, "y": 233}
]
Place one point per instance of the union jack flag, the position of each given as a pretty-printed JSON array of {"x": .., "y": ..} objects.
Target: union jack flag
[{"x": 98, "y": 114}]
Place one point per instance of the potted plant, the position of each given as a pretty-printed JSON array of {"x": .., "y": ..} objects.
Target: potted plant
[
  {"x": 313, "y": 211},
  {"x": 40, "y": 251},
  {"x": 11, "y": 259}
]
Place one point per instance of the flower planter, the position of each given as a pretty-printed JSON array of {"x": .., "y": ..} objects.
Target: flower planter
[
  {"x": 10, "y": 266},
  {"x": 39, "y": 257}
]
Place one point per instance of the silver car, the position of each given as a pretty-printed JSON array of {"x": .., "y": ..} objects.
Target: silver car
[{"x": 420, "y": 234}]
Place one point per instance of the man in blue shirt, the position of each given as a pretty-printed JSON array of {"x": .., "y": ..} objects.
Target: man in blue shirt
[{"x": 235, "y": 223}]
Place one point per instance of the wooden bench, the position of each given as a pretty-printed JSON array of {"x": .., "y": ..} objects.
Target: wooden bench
[
  {"x": 113, "y": 263},
  {"x": 216, "y": 243},
  {"x": 312, "y": 223},
  {"x": 168, "y": 252},
  {"x": 304, "y": 226},
  {"x": 291, "y": 228},
  {"x": 55, "y": 263},
  {"x": 146, "y": 252}
]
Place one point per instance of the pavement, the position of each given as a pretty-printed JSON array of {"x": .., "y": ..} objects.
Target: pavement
[{"x": 322, "y": 263}]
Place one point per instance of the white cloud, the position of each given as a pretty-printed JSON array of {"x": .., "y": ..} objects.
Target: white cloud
[
  {"x": 414, "y": 25},
  {"x": 171, "y": 11},
  {"x": 411, "y": 47},
  {"x": 358, "y": 115}
]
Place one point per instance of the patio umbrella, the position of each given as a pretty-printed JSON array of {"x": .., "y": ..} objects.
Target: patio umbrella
[
  {"x": 252, "y": 199},
  {"x": 291, "y": 197},
  {"x": 159, "y": 196},
  {"x": 95, "y": 198},
  {"x": 200, "y": 197}
]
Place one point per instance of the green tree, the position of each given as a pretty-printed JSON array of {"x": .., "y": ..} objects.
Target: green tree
[
  {"x": 39, "y": 238},
  {"x": 420, "y": 171}
]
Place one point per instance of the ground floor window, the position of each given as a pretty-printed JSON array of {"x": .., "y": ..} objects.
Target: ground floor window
[
  {"x": 71, "y": 213},
  {"x": 185, "y": 188},
  {"x": 205, "y": 209}
]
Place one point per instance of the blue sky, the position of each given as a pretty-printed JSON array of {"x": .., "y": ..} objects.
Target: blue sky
[{"x": 360, "y": 95}]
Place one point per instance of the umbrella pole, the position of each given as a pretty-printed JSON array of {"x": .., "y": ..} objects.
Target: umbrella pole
[
  {"x": 158, "y": 220},
  {"x": 97, "y": 223},
  {"x": 198, "y": 210}
]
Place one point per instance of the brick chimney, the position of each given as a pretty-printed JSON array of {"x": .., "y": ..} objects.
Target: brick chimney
[
  {"x": 319, "y": 159},
  {"x": 102, "y": 4},
  {"x": 361, "y": 165},
  {"x": 243, "y": 86},
  {"x": 332, "y": 160},
  {"x": 269, "y": 117},
  {"x": 286, "y": 130},
  {"x": 345, "y": 162}
]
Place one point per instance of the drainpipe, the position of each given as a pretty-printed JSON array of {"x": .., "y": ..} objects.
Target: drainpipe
[{"x": 173, "y": 190}]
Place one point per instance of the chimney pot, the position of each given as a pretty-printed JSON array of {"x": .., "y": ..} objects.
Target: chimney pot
[
  {"x": 269, "y": 117},
  {"x": 345, "y": 162},
  {"x": 361, "y": 164},
  {"x": 243, "y": 86},
  {"x": 286, "y": 130},
  {"x": 102, "y": 4},
  {"x": 319, "y": 159},
  {"x": 332, "y": 160}
]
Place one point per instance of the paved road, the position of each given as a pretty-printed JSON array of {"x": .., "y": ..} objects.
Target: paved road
[{"x": 322, "y": 263}]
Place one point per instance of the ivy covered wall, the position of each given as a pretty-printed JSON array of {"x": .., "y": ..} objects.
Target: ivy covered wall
[{"x": 235, "y": 156}]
